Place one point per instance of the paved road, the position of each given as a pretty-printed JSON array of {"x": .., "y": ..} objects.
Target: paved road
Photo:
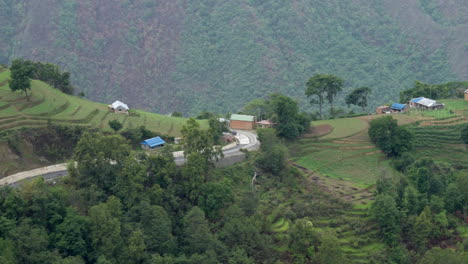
[{"x": 247, "y": 140}]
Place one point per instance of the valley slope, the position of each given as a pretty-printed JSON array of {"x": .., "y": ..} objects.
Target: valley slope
[{"x": 190, "y": 56}]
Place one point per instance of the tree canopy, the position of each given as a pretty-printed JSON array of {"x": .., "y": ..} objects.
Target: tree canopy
[
  {"x": 358, "y": 97},
  {"x": 324, "y": 86}
]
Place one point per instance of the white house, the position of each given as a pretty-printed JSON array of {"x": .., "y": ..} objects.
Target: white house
[{"x": 119, "y": 107}]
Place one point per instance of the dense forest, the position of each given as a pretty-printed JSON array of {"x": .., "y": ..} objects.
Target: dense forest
[
  {"x": 191, "y": 56},
  {"x": 121, "y": 206}
]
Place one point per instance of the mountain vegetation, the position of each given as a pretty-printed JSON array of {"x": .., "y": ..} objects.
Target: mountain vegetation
[{"x": 192, "y": 56}]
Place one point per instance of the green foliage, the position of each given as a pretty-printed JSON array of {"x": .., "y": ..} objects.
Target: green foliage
[
  {"x": 176, "y": 114},
  {"x": 434, "y": 91},
  {"x": 358, "y": 97},
  {"x": 385, "y": 211},
  {"x": 324, "y": 86},
  {"x": 464, "y": 134},
  {"x": 196, "y": 140},
  {"x": 115, "y": 125},
  {"x": 273, "y": 155},
  {"x": 20, "y": 76},
  {"x": 392, "y": 139}
]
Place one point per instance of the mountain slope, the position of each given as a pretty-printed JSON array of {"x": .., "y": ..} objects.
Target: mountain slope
[{"x": 190, "y": 56}]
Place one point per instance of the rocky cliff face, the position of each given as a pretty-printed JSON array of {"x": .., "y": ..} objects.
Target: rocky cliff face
[{"x": 189, "y": 56}]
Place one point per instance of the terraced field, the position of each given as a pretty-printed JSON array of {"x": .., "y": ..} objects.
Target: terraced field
[
  {"x": 50, "y": 105},
  {"x": 339, "y": 158}
]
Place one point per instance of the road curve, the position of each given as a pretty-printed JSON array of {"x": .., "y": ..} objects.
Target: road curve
[{"x": 246, "y": 140}]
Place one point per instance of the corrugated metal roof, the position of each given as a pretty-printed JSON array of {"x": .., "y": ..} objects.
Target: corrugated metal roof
[
  {"x": 242, "y": 117},
  {"x": 427, "y": 102},
  {"x": 396, "y": 106},
  {"x": 152, "y": 142},
  {"x": 415, "y": 100},
  {"x": 466, "y": 91},
  {"x": 118, "y": 103}
]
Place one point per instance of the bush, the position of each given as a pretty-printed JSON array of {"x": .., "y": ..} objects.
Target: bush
[
  {"x": 115, "y": 125},
  {"x": 464, "y": 134}
]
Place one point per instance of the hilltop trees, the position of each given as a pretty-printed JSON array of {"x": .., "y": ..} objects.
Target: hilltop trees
[
  {"x": 324, "y": 86},
  {"x": 358, "y": 97},
  {"x": 20, "y": 76},
  {"x": 22, "y": 70}
]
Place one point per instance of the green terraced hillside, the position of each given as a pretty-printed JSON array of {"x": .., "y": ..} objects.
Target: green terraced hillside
[{"x": 50, "y": 105}]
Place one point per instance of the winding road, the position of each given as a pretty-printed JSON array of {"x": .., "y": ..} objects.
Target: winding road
[{"x": 246, "y": 140}]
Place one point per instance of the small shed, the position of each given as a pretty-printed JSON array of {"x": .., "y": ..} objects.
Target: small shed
[
  {"x": 119, "y": 107},
  {"x": 382, "y": 109},
  {"x": 152, "y": 143},
  {"x": 265, "y": 124},
  {"x": 466, "y": 95},
  {"x": 242, "y": 121},
  {"x": 396, "y": 107}
]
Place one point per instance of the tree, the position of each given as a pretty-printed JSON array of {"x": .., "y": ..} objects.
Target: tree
[
  {"x": 196, "y": 140},
  {"x": 358, "y": 97},
  {"x": 156, "y": 226},
  {"x": 273, "y": 154},
  {"x": 99, "y": 159},
  {"x": 105, "y": 228},
  {"x": 20, "y": 76},
  {"x": 71, "y": 234},
  {"x": 324, "y": 86},
  {"x": 389, "y": 137},
  {"x": 197, "y": 236},
  {"x": 176, "y": 114},
  {"x": 291, "y": 124},
  {"x": 386, "y": 213},
  {"x": 115, "y": 125},
  {"x": 464, "y": 134}
]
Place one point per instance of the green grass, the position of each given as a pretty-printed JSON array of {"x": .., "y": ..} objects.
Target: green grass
[
  {"x": 343, "y": 127},
  {"x": 47, "y": 103}
]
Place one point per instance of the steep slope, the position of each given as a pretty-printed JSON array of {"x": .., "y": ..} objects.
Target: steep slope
[{"x": 190, "y": 56}]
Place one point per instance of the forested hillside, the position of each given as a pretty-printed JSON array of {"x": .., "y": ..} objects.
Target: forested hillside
[{"x": 215, "y": 55}]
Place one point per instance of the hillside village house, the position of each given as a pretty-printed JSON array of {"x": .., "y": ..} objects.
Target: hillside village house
[
  {"x": 119, "y": 107},
  {"x": 152, "y": 143},
  {"x": 466, "y": 95},
  {"x": 242, "y": 121},
  {"x": 382, "y": 109},
  {"x": 425, "y": 103},
  {"x": 396, "y": 108}
]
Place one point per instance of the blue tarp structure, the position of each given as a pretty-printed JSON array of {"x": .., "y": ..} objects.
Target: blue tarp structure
[
  {"x": 399, "y": 107},
  {"x": 153, "y": 142}
]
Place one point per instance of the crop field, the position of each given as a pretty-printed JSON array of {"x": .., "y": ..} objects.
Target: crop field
[{"x": 47, "y": 104}]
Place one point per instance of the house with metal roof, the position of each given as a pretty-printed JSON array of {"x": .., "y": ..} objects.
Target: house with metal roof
[
  {"x": 152, "y": 143},
  {"x": 242, "y": 121},
  {"x": 119, "y": 107},
  {"x": 425, "y": 103},
  {"x": 396, "y": 107},
  {"x": 466, "y": 95}
]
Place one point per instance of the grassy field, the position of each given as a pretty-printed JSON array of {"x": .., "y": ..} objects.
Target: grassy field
[
  {"x": 343, "y": 127},
  {"x": 50, "y": 105}
]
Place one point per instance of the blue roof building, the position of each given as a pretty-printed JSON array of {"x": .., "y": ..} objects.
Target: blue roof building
[
  {"x": 415, "y": 100},
  {"x": 398, "y": 107},
  {"x": 153, "y": 143}
]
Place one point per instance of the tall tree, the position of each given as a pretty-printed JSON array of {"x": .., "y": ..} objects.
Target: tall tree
[
  {"x": 324, "y": 86},
  {"x": 196, "y": 140},
  {"x": 20, "y": 76},
  {"x": 197, "y": 234},
  {"x": 358, "y": 97}
]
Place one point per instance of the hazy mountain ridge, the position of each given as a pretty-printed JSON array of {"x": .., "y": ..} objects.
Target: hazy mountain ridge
[{"x": 191, "y": 56}]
